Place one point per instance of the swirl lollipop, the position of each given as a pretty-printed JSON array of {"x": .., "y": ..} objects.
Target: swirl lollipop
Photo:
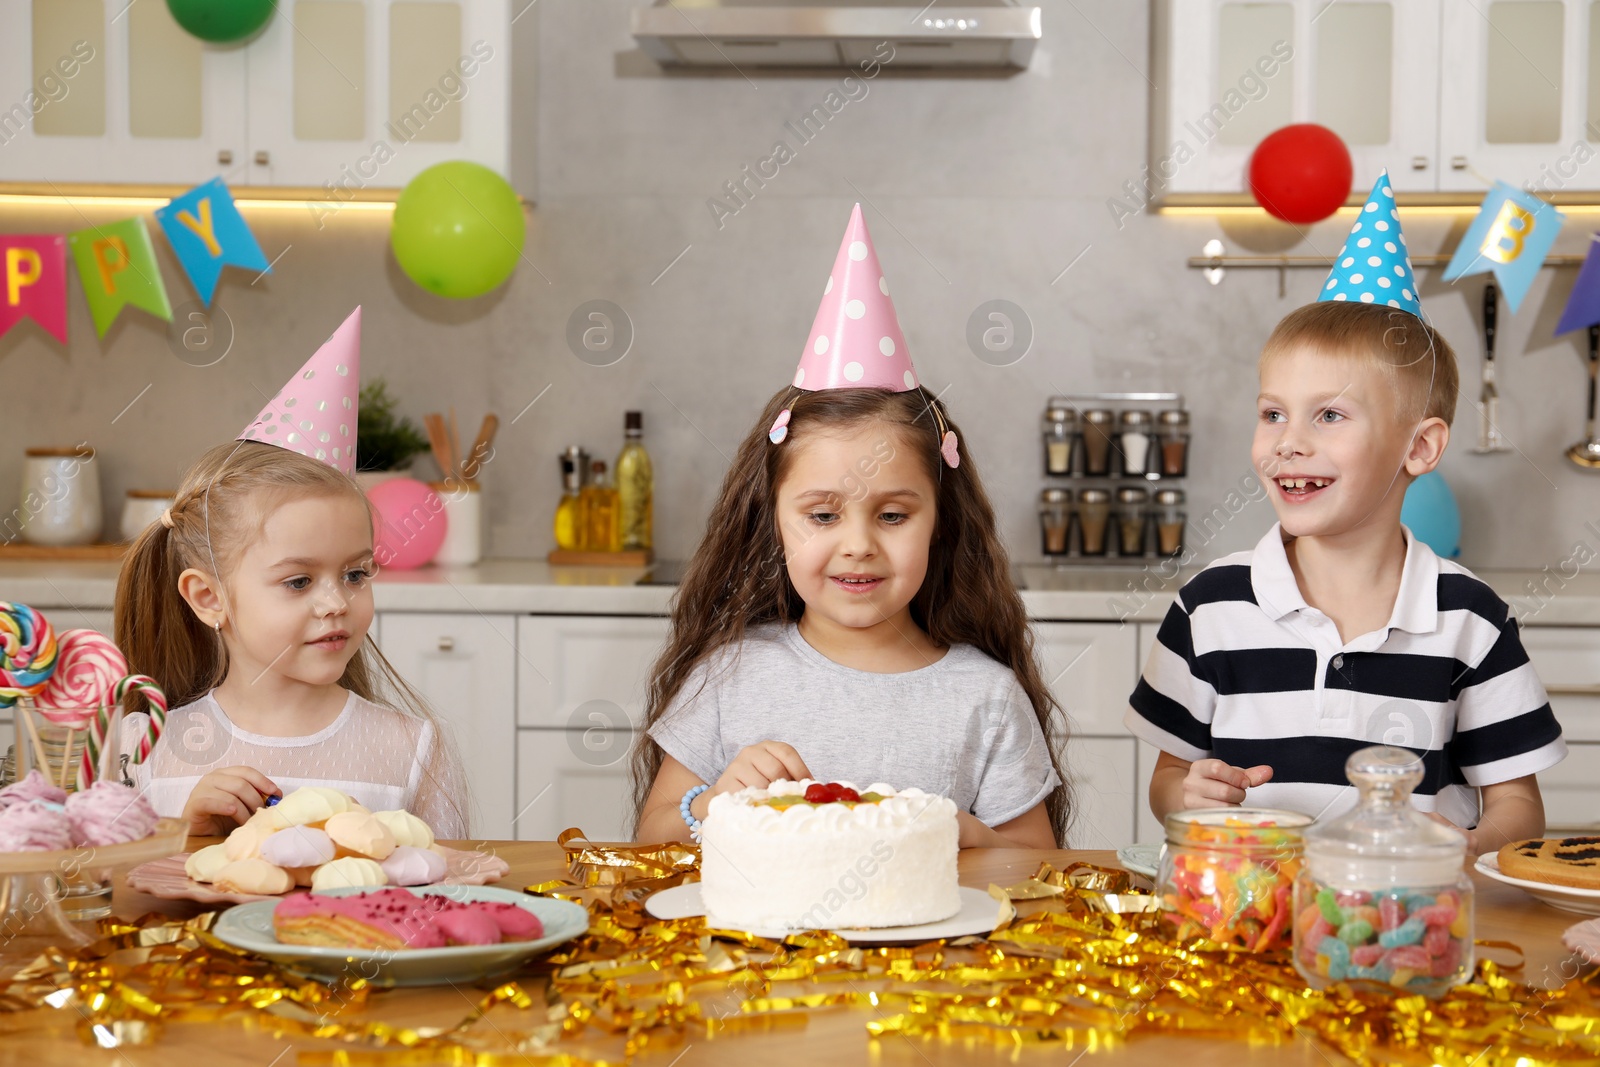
[
  {"x": 27, "y": 652},
  {"x": 88, "y": 667}
]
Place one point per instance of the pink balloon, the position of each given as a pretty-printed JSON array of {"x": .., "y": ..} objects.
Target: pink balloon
[{"x": 411, "y": 523}]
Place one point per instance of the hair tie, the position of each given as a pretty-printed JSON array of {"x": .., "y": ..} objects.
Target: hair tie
[{"x": 166, "y": 518}]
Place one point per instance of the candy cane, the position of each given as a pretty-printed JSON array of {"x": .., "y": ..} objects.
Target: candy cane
[{"x": 88, "y": 770}]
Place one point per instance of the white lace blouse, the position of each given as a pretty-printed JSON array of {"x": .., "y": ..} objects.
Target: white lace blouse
[{"x": 384, "y": 758}]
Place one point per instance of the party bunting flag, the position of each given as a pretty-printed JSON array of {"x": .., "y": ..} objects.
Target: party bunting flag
[
  {"x": 1511, "y": 236},
  {"x": 35, "y": 278},
  {"x": 207, "y": 233},
  {"x": 118, "y": 267},
  {"x": 1583, "y": 306}
]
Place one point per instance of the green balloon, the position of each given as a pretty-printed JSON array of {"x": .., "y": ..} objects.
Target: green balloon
[
  {"x": 222, "y": 21},
  {"x": 458, "y": 229}
]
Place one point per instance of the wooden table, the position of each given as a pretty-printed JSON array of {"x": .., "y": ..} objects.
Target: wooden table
[{"x": 832, "y": 1038}]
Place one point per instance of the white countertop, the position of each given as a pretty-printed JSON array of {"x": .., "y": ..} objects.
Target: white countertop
[{"x": 1093, "y": 593}]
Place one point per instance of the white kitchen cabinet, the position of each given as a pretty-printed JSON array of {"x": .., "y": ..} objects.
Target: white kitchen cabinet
[
  {"x": 1090, "y": 668},
  {"x": 573, "y": 778},
  {"x": 1104, "y": 780},
  {"x": 583, "y": 671},
  {"x": 465, "y": 665},
  {"x": 338, "y": 95},
  {"x": 1571, "y": 791},
  {"x": 1568, "y": 661}
]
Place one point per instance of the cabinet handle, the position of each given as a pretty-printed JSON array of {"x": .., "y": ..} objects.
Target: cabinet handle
[
  {"x": 263, "y": 158},
  {"x": 447, "y": 644},
  {"x": 1419, "y": 162},
  {"x": 1573, "y": 690},
  {"x": 225, "y": 157},
  {"x": 1458, "y": 162}
]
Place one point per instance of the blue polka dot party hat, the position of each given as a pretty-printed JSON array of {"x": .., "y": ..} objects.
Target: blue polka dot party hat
[{"x": 1373, "y": 266}]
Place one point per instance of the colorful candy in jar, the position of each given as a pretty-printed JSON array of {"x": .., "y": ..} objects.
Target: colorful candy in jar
[
  {"x": 1228, "y": 875},
  {"x": 1382, "y": 899}
]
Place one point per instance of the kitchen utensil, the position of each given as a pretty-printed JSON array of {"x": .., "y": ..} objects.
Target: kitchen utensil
[
  {"x": 439, "y": 439},
  {"x": 1586, "y": 454},
  {"x": 1489, "y": 437},
  {"x": 473, "y": 463}
]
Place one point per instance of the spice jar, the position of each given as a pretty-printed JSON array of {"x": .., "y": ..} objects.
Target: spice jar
[
  {"x": 1055, "y": 520},
  {"x": 1382, "y": 899},
  {"x": 1097, "y": 430},
  {"x": 1133, "y": 515},
  {"x": 1133, "y": 442},
  {"x": 1094, "y": 515},
  {"x": 1170, "y": 520},
  {"x": 1228, "y": 873},
  {"x": 1173, "y": 438},
  {"x": 1060, "y": 428}
]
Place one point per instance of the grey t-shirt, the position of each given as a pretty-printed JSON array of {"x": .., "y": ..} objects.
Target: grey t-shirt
[{"x": 961, "y": 728}]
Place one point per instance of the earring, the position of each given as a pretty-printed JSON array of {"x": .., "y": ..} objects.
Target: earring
[{"x": 217, "y": 626}]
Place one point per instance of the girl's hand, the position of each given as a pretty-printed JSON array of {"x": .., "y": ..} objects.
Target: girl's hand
[
  {"x": 1211, "y": 782},
  {"x": 226, "y": 798},
  {"x": 757, "y": 766}
]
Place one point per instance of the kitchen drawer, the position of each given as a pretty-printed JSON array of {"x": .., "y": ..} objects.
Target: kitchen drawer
[
  {"x": 1103, "y": 783},
  {"x": 1571, "y": 791},
  {"x": 1091, "y": 668},
  {"x": 1568, "y": 661},
  {"x": 573, "y": 778},
  {"x": 581, "y": 666}
]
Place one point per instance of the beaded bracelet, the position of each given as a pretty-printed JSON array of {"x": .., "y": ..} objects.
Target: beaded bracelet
[{"x": 683, "y": 809}]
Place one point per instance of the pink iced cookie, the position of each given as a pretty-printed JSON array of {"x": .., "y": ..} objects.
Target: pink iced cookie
[
  {"x": 34, "y": 786},
  {"x": 34, "y": 826},
  {"x": 109, "y": 813},
  {"x": 462, "y": 925}
]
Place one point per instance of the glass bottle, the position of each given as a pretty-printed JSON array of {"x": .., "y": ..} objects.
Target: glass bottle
[
  {"x": 1383, "y": 900},
  {"x": 1170, "y": 520},
  {"x": 635, "y": 487},
  {"x": 1097, "y": 431},
  {"x": 1060, "y": 427},
  {"x": 569, "y": 512},
  {"x": 1173, "y": 437},
  {"x": 601, "y": 533},
  {"x": 1094, "y": 516},
  {"x": 1055, "y": 520},
  {"x": 1227, "y": 874},
  {"x": 1133, "y": 515},
  {"x": 1133, "y": 442}
]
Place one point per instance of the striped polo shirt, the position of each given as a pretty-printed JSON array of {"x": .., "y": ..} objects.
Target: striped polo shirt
[{"x": 1245, "y": 671}]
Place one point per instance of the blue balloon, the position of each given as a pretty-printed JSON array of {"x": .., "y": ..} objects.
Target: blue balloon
[{"x": 1430, "y": 511}]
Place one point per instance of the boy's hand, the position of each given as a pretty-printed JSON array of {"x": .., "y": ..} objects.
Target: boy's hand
[
  {"x": 226, "y": 798},
  {"x": 1211, "y": 782},
  {"x": 757, "y": 766},
  {"x": 1472, "y": 843}
]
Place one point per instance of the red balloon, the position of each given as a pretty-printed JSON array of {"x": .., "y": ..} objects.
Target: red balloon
[{"x": 1301, "y": 173}]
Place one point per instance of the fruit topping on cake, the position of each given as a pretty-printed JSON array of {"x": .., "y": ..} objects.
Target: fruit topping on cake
[{"x": 822, "y": 793}]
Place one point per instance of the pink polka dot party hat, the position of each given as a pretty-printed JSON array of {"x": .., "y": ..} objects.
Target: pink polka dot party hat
[{"x": 315, "y": 413}]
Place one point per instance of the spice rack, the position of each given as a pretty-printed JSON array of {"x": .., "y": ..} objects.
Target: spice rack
[{"x": 1114, "y": 463}]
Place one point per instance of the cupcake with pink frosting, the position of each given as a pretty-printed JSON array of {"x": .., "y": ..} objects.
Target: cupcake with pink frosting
[
  {"x": 34, "y": 826},
  {"x": 110, "y": 813},
  {"x": 34, "y": 786}
]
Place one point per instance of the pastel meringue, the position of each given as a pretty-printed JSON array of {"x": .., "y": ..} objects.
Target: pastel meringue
[
  {"x": 203, "y": 864},
  {"x": 348, "y": 872},
  {"x": 297, "y": 846},
  {"x": 310, "y": 804},
  {"x": 406, "y": 828},
  {"x": 361, "y": 834},
  {"x": 409, "y": 865},
  {"x": 34, "y": 826},
  {"x": 253, "y": 876},
  {"x": 33, "y": 786},
  {"x": 244, "y": 841},
  {"x": 110, "y": 813}
]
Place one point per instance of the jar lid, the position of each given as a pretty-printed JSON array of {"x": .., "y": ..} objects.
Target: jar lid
[
  {"x": 152, "y": 494},
  {"x": 1060, "y": 409},
  {"x": 1169, "y": 496},
  {"x": 1173, "y": 417},
  {"x": 1384, "y": 840},
  {"x": 1055, "y": 496},
  {"x": 1131, "y": 495},
  {"x": 57, "y": 453},
  {"x": 1094, "y": 496},
  {"x": 1097, "y": 415},
  {"x": 1136, "y": 418}
]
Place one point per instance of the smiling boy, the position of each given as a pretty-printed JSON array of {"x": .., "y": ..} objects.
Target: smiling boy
[{"x": 1340, "y": 629}]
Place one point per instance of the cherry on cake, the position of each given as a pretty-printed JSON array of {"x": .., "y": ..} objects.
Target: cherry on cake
[{"x": 821, "y": 855}]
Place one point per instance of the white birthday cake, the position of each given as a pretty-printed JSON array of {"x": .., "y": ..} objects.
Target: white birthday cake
[{"x": 809, "y": 855}]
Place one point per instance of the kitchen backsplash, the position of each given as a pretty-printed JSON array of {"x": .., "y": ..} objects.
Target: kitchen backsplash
[{"x": 977, "y": 189}]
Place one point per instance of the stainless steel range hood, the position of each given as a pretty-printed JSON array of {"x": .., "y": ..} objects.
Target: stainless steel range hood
[{"x": 978, "y": 34}]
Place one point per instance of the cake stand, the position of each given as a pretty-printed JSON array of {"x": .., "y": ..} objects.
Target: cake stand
[{"x": 31, "y": 882}]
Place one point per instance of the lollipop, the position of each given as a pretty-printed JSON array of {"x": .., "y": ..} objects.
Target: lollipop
[
  {"x": 88, "y": 665},
  {"x": 88, "y": 769},
  {"x": 27, "y": 652}
]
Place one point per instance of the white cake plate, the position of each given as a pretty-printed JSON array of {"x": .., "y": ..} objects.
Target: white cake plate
[
  {"x": 978, "y": 915},
  {"x": 1565, "y": 897}
]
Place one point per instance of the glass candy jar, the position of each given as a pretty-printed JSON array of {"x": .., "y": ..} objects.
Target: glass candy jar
[
  {"x": 1382, "y": 898},
  {"x": 1227, "y": 874}
]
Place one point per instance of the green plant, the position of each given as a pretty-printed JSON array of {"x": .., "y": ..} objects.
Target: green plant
[{"x": 384, "y": 439}]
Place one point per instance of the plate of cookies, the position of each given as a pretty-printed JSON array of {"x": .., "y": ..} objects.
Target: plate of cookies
[
  {"x": 402, "y": 936},
  {"x": 1563, "y": 872},
  {"x": 315, "y": 838}
]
